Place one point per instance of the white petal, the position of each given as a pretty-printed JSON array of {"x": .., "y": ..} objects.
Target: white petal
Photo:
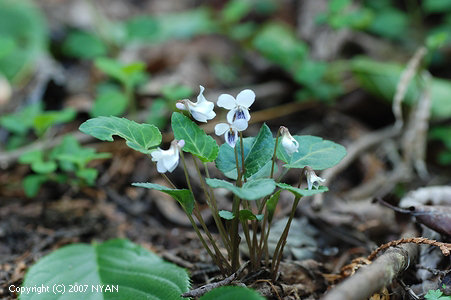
[
  {"x": 156, "y": 155},
  {"x": 180, "y": 106},
  {"x": 231, "y": 137},
  {"x": 200, "y": 117},
  {"x": 309, "y": 184},
  {"x": 231, "y": 115},
  {"x": 200, "y": 97},
  {"x": 160, "y": 167},
  {"x": 221, "y": 128},
  {"x": 247, "y": 115},
  {"x": 245, "y": 98},
  {"x": 226, "y": 101},
  {"x": 171, "y": 162},
  {"x": 240, "y": 124}
]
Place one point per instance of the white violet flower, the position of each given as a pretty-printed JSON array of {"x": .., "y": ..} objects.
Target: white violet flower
[
  {"x": 288, "y": 142},
  {"x": 202, "y": 110},
  {"x": 312, "y": 179},
  {"x": 239, "y": 107},
  {"x": 167, "y": 160},
  {"x": 230, "y": 131}
]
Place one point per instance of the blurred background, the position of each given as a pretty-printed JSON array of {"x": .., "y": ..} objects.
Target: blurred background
[{"x": 325, "y": 68}]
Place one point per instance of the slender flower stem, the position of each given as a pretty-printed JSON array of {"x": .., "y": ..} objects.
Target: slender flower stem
[
  {"x": 277, "y": 256},
  {"x": 275, "y": 153},
  {"x": 168, "y": 181},
  {"x": 212, "y": 204},
  {"x": 234, "y": 237},
  {"x": 198, "y": 215},
  {"x": 242, "y": 156},
  {"x": 279, "y": 248},
  {"x": 250, "y": 243}
]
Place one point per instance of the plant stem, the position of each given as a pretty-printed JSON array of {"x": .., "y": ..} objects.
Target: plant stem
[
  {"x": 212, "y": 204},
  {"x": 242, "y": 156},
  {"x": 279, "y": 248},
  {"x": 274, "y": 154},
  {"x": 234, "y": 237},
  {"x": 220, "y": 258}
]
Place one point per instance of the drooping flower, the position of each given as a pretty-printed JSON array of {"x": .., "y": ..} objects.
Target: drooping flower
[
  {"x": 288, "y": 142},
  {"x": 230, "y": 130},
  {"x": 167, "y": 160},
  {"x": 239, "y": 107},
  {"x": 312, "y": 179},
  {"x": 202, "y": 110}
]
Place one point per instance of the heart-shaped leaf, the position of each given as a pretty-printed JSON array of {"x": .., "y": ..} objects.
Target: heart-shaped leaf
[
  {"x": 196, "y": 140},
  {"x": 313, "y": 151},
  {"x": 117, "y": 269},
  {"x": 183, "y": 196},
  {"x": 258, "y": 152},
  {"x": 232, "y": 292},
  {"x": 227, "y": 215},
  {"x": 139, "y": 137},
  {"x": 271, "y": 204},
  {"x": 246, "y": 214},
  {"x": 301, "y": 192},
  {"x": 251, "y": 190}
]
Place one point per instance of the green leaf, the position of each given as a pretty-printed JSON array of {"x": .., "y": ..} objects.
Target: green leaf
[
  {"x": 47, "y": 119},
  {"x": 336, "y": 6},
  {"x": 251, "y": 190},
  {"x": 381, "y": 79},
  {"x": 22, "y": 24},
  {"x": 32, "y": 183},
  {"x": 44, "y": 167},
  {"x": 258, "y": 152},
  {"x": 246, "y": 214},
  {"x": 300, "y": 192},
  {"x": 390, "y": 23},
  {"x": 111, "y": 102},
  {"x": 31, "y": 157},
  {"x": 183, "y": 196},
  {"x": 279, "y": 44},
  {"x": 158, "y": 113},
  {"x": 437, "y": 6},
  {"x": 196, "y": 140},
  {"x": 140, "y": 137},
  {"x": 271, "y": 205},
  {"x": 112, "y": 68},
  {"x": 89, "y": 175},
  {"x": 72, "y": 156},
  {"x": 83, "y": 44},
  {"x": 227, "y": 215},
  {"x": 176, "y": 92},
  {"x": 235, "y": 10},
  {"x": 21, "y": 121},
  {"x": 313, "y": 151},
  {"x": 125, "y": 270},
  {"x": 232, "y": 292}
]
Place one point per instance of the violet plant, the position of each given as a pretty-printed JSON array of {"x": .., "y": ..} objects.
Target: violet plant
[{"x": 250, "y": 164}]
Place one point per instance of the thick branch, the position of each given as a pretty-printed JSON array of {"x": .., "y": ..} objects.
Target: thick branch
[{"x": 372, "y": 278}]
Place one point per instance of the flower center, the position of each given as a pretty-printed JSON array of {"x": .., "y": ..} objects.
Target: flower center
[{"x": 239, "y": 114}]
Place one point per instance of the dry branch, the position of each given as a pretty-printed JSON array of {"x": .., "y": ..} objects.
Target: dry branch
[{"x": 373, "y": 278}]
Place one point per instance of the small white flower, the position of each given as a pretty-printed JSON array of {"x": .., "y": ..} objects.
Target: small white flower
[
  {"x": 230, "y": 131},
  {"x": 288, "y": 142},
  {"x": 312, "y": 179},
  {"x": 239, "y": 108},
  {"x": 202, "y": 110},
  {"x": 167, "y": 160}
]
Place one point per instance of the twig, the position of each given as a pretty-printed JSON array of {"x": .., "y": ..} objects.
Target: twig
[
  {"x": 401, "y": 89},
  {"x": 374, "y": 277},
  {"x": 208, "y": 287},
  {"x": 444, "y": 247}
]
